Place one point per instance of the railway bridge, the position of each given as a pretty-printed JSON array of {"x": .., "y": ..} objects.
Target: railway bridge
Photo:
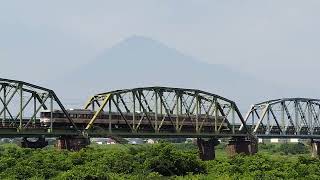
[
  {"x": 286, "y": 118},
  {"x": 155, "y": 112}
]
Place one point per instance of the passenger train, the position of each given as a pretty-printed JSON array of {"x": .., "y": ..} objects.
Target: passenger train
[{"x": 82, "y": 117}]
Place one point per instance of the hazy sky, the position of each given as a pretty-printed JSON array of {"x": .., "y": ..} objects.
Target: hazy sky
[{"x": 275, "y": 40}]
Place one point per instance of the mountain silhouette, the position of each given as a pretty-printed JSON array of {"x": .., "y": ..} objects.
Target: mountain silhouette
[{"x": 140, "y": 61}]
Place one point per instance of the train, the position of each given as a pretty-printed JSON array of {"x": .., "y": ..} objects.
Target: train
[{"x": 117, "y": 120}]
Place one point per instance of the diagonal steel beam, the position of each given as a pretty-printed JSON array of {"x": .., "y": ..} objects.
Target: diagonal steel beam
[
  {"x": 247, "y": 117},
  {"x": 5, "y": 104},
  {"x": 55, "y": 97},
  {"x": 264, "y": 112},
  {"x": 276, "y": 120},
  {"x": 36, "y": 112},
  {"x": 206, "y": 113},
  {"x": 89, "y": 102},
  {"x": 263, "y": 126},
  {"x": 94, "y": 118},
  {"x": 124, "y": 104},
  {"x": 167, "y": 112},
  {"x": 23, "y": 108},
  {"x": 145, "y": 100},
  {"x": 6, "y": 109},
  {"x": 225, "y": 118},
  {"x": 144, "y": 109},
  {"x": 40, "y": 100}
]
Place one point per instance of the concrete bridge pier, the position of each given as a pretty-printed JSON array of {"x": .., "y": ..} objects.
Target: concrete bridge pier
[
  {"x": 242, "y": 146},
  {"x": 206, "y": 148},
  {"x": 72, "y": 143},
  {"x": 315, "y": 148},
  {"x": 39, "y": 143}
]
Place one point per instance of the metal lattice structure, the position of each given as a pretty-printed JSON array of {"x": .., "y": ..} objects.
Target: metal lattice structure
[
  {"x": 296, "y": 117},
  {"x": 21, "y": 103},
  {"x": 166, "y": 111}
]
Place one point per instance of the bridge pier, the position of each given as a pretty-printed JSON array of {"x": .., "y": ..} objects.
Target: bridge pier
[
  {"x": 242, "y": 146},
  {"x": 40, "y": 143},
  {"x": 206, "y": 148},
  {"x": 315, "y": 148},
  {"x": 72, "y": 143}
]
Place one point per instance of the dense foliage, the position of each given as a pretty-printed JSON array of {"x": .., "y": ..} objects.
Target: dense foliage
[
  {"x": 160, "y": 161},
  {"x": 286, "y": 148}
]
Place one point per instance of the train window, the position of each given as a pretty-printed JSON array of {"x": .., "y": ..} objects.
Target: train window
[
  {"x": 55, "y": 115},
  {"x": 46, "y": 114},
  {"x": 58, "y": 115}
]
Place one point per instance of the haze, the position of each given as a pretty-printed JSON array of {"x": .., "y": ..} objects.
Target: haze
[{"x": 273, "y": 41}]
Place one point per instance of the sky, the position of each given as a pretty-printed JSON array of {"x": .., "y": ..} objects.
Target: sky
[{"x": 275, "y": 41}]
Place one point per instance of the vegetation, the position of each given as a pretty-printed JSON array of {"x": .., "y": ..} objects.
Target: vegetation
[
  {"x": 285, "y": 149},
  {"x": 159, "y": 161}
]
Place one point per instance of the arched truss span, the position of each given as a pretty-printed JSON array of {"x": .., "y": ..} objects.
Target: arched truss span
[
  {"x": 165, "y": 109},
  {"x": 285, "y": 117},
  {"x": 21, "y": 103}
]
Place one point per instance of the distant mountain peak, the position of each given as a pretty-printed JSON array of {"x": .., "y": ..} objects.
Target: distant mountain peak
[
  {"x": 141, "y": 42},
  {"x": 139, "y": 61},
  {"x": 138, "y": 38},
  {"x": 141, "y": 49}
]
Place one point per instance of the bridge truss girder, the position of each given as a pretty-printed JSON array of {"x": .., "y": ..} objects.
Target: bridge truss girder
[
  {"x": 285, "y": 117},
  {"x": 163, "y": 107},
  {"x": 21, "y": 103}
]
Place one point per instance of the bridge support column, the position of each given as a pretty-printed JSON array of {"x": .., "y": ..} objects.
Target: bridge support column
[
  {"x": 72, "y": 143},
  {"x": 206, "y": 148},
  {"x": 315, "y": 148},
  {"x": 40, "y": 143},
  {"x": 242, "y": 146}
]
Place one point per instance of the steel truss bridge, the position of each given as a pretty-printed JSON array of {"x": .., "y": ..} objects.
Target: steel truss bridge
[
  {"x": 20, "y": 106},
  {"x": 285, "y": 118},
  {"x": 156, "y": 112},
  {"x": 170, "y": 112}
]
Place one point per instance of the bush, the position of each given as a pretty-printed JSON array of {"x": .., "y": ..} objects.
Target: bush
[
  {"x": 168, "y": 161},
  {"x": 157, "y": 161},
  {"x": 293, "y": 149}
]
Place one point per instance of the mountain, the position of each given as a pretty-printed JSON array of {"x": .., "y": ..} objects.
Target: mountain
[{"x": 139, "y": 61}]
